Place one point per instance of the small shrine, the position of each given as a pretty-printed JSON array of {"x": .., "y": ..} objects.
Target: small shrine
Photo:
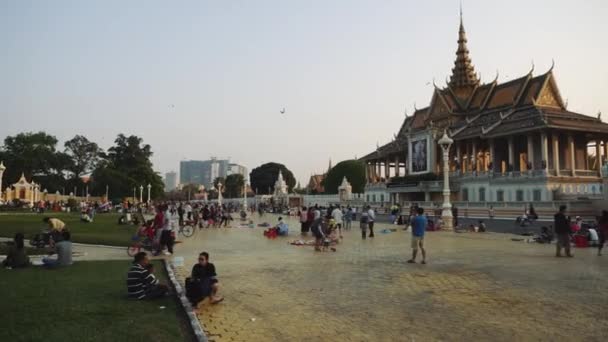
[
  {"x": 345, "y": 190},
  {"x": 24, "y": 191}
]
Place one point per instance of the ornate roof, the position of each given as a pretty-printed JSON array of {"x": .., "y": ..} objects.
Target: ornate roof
[
  {"x": 463, "y": 73},
  {"x": 467, "y": 108}
]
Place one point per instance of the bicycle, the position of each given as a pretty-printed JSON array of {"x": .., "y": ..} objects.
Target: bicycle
[
  {"x": 140, "y": 243},
  {"x": 187, "y": 229}
]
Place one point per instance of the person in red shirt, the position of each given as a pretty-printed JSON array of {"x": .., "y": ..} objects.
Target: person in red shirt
[{"x": 602, "y": 231}]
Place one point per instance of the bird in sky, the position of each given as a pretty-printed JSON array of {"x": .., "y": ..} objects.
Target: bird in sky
[{"x": 283, "y": 110}]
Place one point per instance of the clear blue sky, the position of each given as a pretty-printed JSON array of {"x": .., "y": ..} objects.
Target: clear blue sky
[{"x": 344, "y": 70}]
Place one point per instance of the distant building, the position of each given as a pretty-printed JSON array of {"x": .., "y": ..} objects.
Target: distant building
[
  {"x": 203, "y": 172},
  {"x": 315, "y": 183},
  {"x": 170, "y": 181},
  {"x": 237, "y": 169}
]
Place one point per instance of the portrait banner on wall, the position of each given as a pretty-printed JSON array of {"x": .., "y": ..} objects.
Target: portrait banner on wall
[{"x": 419, "y": 155}]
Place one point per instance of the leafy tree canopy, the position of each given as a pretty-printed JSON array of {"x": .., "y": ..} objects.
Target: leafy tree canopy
[
  {"x": 353, "y": 170},
  {"x": 264, "y": 176},
  {"x": 234, "y": 185},
  {"x": 35, "y": 155},
  {"x": 127, "y": 165},
  {"x": 84, "y": 155}
]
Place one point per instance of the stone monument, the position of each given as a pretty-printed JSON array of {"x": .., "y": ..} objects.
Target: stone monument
[{"x": 345, "y": 190}]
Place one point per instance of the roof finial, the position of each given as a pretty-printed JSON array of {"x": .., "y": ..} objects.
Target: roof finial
[
  {"x": 463, "y": 73},
  {"x": 461, "y": 13},
  {"x": 531, "y": 70}
]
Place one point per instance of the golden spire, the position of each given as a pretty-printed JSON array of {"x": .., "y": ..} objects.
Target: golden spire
[{"x": 463, "y": 73}]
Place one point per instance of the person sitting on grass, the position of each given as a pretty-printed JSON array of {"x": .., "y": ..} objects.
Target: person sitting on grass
[
  {"x": 203, "y": 273},
  {"x": 56, "y": 226},
  {"x": 16, "y": 256},
  {"x": 63, "y": 249},
  {"x": 84, "y": 217},
  {"x": 141, "y": 284}
]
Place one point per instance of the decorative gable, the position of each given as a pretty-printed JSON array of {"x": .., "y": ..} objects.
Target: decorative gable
[{"x": 548, "y": 97}]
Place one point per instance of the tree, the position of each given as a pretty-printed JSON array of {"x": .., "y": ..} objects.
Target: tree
[
  {"x": 127, "y": 165},
  {"x": 35, "y": 155},
  {"x": 84, "y": 154},
  {"x": 264, "y": 176},
  {"x": 234, "y": 185},
  {"x": 219, "y": 180},
  {"x": 353, "y": 170}
]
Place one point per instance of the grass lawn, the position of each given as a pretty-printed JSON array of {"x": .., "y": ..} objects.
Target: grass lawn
[
  {"x": 84, "y": 302},
  {"x": 104, "y": 230}
]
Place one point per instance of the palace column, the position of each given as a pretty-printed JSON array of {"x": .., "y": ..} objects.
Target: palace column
[
  {"x": 555, "y": 141},
  {"x": 474, "y": 163},
  {"x": 458, "y": 154},
  {"x": 387, "y": 169},
  {"x": 544, "y": 150},
  {"x": 511, "y": 165},
  {"x": 605, "y": 150},
  {"x": 572, "y": 154},
  {"x": 492, "y": 160},
  {"x": 379, "y": 171},
  {"x": 397, "y": 167},
  {"x": 530, "y": 152},
  {"x": 367, "y": 173},
  {"x": 466, "y": 161},
  {"x": 598, "y": 157}
]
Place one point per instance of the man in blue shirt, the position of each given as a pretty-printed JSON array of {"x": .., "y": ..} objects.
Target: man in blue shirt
[{"x": 418, "y": 228}]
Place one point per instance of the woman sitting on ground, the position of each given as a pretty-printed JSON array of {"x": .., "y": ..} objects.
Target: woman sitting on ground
[
  {"x": 204, "y": 274},
  {"x": 16, "y": 257}
]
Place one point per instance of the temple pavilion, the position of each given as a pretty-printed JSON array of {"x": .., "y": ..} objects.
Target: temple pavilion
[{"x": 513, "y": 142}]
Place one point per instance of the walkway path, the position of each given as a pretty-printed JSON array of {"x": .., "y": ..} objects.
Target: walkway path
[{"x": 476, "y": 287}]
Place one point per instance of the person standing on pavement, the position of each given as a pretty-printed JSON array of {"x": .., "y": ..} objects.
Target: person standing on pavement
[
  {"x": 348, "y": 218},
  {"x": 562, "y": 232},
  {"x": 336, "y": 214},
  {"x": 602, "y": 231},
  {"x": 371, "y": 214},
  {"x": 419, "y": 224},
  {"x": 304, "y": 221},
  {"x": 363, "y": 224}
]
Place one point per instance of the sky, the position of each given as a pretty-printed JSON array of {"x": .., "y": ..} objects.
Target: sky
[{"x": 197, "y": 79}]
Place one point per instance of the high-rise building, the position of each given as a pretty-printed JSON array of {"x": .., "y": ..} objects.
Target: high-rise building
[
  {"x": 170, "y": 181},
  {"x": 237, "y": 169},
  {"x": 203, "y": 172}
]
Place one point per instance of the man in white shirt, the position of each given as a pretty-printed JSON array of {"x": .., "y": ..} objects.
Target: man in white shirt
[
  {"x": 336, "y": 214},
  {"x": 317, "y": 213},
  {"x": 188, "y": 210},
  {"x": 370, "y": 221}
]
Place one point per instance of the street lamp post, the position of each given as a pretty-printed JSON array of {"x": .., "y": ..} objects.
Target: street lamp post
[
  {"x": 219, "y": 194},
  {"x": 107, "y": 193},
  {"x": 446, "y": 214},
  {"x": 141, "y": 193},
  {"x": 245, "y": 197},
  {"x": 149, "y": 186},
  {"x": 2, "y": 168},
  {"x": 134, "y": 195}
]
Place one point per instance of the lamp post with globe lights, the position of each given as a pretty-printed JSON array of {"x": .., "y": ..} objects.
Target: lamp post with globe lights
[{"x": 446, "y": 214}]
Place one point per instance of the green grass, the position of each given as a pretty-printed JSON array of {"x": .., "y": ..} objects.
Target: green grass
[
  {"x": 84, "y": 302},
  {"x": 28, "y": 250},
  {"x": 104, "y": 230}
]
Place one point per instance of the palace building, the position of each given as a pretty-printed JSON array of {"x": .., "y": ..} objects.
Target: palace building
[{"x": 513, "y": 142}]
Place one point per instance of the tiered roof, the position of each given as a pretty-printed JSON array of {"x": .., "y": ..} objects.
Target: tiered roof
[{"x": 467, "y": 109}]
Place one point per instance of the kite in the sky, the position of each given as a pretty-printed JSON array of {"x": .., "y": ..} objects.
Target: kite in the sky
[{"x": 283, "y": 111}]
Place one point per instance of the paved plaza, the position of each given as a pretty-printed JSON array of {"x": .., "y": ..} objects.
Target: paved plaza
[{"x": 475, "y": 287}]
